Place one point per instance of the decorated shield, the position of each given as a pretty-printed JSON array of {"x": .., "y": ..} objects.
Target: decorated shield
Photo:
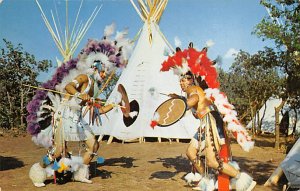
[
  {"x": 170, "y": 111},
  {"x": 130, "y": 110}
]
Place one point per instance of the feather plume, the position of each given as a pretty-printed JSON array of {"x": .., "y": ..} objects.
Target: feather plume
[
  {"x": 189, "y": 177},
  {"x": 133, "y": 114},
  {"x": 209, "y": 43},
  {"x": 49, "y": 171},
  {"x": 117, "y": 98},
  {"x": 109, "y": 30},
  {"x": 120, "y": 35},
  {"x": 43, "y": 138},
  {"x": 156, "y": 116},
  {"x": 76, "y": 162},
  {"x": 177, "y": 41}
]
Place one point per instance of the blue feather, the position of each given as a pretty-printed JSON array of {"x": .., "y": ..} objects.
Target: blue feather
[
  {"x": 55, "y": 166},
  {"x": 100, "y": 160}
]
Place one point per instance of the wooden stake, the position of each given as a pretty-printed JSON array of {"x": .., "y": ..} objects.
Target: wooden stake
[
  {"x": 274, "y": 178},
  {"x": 110, "y": 140}
]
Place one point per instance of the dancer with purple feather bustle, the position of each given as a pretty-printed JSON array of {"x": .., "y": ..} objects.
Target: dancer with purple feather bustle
[{"x": 53, "y": 121}]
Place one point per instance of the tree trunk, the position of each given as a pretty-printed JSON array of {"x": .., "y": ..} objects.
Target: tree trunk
[
  {"x": 253, "y": 117},
  {"x": 295, "y": 124},
  {"x": 10, "y": 115},
  {"x": 260, "y": 119},
  {"x": 22, "y": 107},
  {"x": 258, "y": 128},
  {"x": 277, "y": 122}
]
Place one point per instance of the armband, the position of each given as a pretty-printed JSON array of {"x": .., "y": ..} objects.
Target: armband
[
  {"x": 185, "y": 101},
  {"x": 77, "y": 94},
  {"x": 182, "y": 97},
  {"x": 76, "y": 83}
]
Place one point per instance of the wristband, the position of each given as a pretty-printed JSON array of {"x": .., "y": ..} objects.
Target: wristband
[{"x": 76, "y": 83}]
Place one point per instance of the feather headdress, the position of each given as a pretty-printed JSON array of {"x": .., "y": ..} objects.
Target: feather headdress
[{"x": 106, "y": 51}]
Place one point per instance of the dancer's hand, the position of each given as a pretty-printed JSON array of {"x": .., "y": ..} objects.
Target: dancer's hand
[
  {"x": 84, "y": 96},
  {"x": 173, "y": 95}
]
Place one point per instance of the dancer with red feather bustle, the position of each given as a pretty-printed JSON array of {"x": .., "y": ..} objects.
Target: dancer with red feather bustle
[{"x": 210, "y": 146}]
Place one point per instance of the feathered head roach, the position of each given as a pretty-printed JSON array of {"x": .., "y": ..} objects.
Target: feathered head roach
[{"x": 191, "y": 61}]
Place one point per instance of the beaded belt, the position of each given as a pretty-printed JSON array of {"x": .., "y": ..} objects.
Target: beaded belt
[{"x": 209, "y": 108}]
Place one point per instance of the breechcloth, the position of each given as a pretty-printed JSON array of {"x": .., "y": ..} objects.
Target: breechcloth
[
  {"x": 68, "y": 123},
  {"x": 212, "y": 123}
]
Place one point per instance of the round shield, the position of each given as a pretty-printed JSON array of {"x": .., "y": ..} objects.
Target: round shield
[
  {"x": 126, "y": 104},
  {"x": 170, "y": 111}
]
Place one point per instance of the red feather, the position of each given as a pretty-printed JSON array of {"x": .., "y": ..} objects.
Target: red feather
[{"x": 153, "y": 124}]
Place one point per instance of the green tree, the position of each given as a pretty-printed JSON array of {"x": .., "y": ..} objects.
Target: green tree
[
  {"x": 282, "y": 25},
  {"x": 17, "y": 67},
  {"x": 249, "y": 83}
]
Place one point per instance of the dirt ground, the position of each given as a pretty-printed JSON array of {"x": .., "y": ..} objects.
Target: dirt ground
[{"x": 130, "y": 166}]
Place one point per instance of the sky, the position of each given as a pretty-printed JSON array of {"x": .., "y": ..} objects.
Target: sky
[{"x": 228, "y": 23}]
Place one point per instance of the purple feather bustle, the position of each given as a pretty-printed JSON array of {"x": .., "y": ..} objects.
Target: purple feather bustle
[
  {"x": 31, "y": 118},
  {"x": 33, "y": 128},
  {"x": 34, "y": 105}
]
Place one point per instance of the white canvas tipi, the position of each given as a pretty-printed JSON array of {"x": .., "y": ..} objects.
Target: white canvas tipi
[
  {"x": 267, "y": 116},
  {"x": 144, "y": 82}
]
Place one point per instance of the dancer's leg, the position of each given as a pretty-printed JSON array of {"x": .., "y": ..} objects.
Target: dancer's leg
[{"x": 191, "y": 153}]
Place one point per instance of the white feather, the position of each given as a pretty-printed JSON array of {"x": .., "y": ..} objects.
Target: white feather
[
  {"x": 76, "y": 162},
  {"x": 177, "y": 71},
  {"x": 49, "y": 171},
  {"x": 117, "y": 98},
  {"x": 244, "y": 181},
  {"x": 177, "y": 41},
  {"x": 210, "y": 185},
  {"x": 189, "y": 177},
  {"x": 229, "y": 118},
  {"x": 43, "y": 138},
  {"x": 234, "y": 164},
  {"x": 133, "y": 114},
  {"x": 109, "y": 30},
  {"x": 185, "y": 68},
  {"x": 120, "y": 35},
  {"x": 59, "y": 62},
  {"x": 55, "y": 99},
  {"x": 197, "y": 177},
  {"x": 181, "y": 70},
  {"x": 38, "y": 175},
  {"x": 156, "y": 116},
  {"x": 127, "y": 48},
  {"x": 209, "y": 43}
]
